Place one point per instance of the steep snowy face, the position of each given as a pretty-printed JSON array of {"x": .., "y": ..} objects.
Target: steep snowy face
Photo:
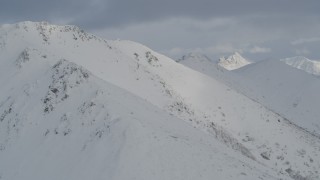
[
  {"x": 171, "y": 90},
  {"x": 304, "y": 64},
  {"x": 233, "y": 62}
]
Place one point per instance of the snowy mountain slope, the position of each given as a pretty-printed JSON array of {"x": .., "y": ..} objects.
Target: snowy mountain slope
[
  {"x": 233, "y": 62},
  {"x": 305, "y": 64},
  {"x": 206, "y": 103},
  {"x": 286, "y": 90},
  {"x": 279, "y": 91},
  {"x": 61, "y": 122},
  {"x": 210, "y": 104},
  {"x": 275, "y": 85}
]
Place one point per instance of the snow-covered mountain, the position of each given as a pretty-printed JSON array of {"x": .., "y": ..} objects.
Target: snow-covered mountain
[
  {"x": 75, "y": 106},
  {"x": 303, "y": 63},
  {"x": 233, "y": 62},
  {"x": 62, "y": 122},
  {"x": 200, "y": 63}
]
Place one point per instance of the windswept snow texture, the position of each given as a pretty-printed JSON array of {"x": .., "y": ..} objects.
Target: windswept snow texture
[
  {"x": 74, "y": 106},
  {"x": 233, "y": 62},
  {"x": 305, "y": 64}
]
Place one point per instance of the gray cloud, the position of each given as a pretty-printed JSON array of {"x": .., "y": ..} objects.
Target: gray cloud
[
  {"x": 257, "y": 49},
  {"x": 37, "y": 10},
  {"x": 107, "y": 13},
  {"x": 123, "y": 12},
  {"x": 305, "y": 40}
]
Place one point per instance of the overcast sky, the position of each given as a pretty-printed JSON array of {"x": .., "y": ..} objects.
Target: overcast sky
[{"x": 258, "y": 29}]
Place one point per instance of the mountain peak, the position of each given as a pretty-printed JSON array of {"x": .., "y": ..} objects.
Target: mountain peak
[
  {"x": 303, "y": 63},
  {"x": 233, "y": 62}
]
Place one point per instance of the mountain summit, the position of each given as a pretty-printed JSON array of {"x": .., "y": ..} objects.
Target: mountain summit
[
  {"x": 233, "y": 62},
  {"x": 304, "y": 64}
]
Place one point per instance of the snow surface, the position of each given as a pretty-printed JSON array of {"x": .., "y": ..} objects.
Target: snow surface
[
  {"x": 303, "y": 63},
  {"x": 75, "y": 106},
  {"x": 275, "y": 85},
  {"x": 288, "y": 91},
  {"x": 233, "y": 62},
  {"x": 99, "y": 131}
]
